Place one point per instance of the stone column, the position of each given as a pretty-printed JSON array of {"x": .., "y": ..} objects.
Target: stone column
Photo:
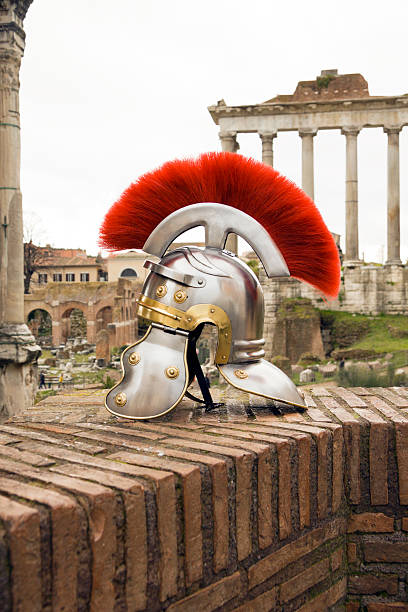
[
  {"x": 229, "y": 143},
  {"x": 393, "y": 197},
  {"x": 307, "y": 136},
  {"x": 18, "y": 350},
  {"x": 267, "y": 147},
  {"x": 351, "y": 256}
]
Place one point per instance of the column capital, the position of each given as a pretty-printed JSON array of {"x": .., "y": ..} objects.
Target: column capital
[
  {"x": 223, "y": 134},
  {"x": 229, "y": 141},
  {"x": 351, "y": 130},
  {"x": 307, "y": 132},
  {"x": 392, "y": 129},
  {"x": 267, "y": 136}
]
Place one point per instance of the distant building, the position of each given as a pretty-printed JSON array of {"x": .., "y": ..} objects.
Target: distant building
[
  {"x": 126, "y": 265},
  {"x": 68, "y": 266}
]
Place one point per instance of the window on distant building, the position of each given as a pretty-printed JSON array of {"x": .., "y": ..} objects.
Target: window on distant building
[
  {"x": 70, "y": 278},
  {"x": 128, "y": 273},
  {"x": 57, "y": 278},
  {"x": 84, "y": 277},
  {"x": 42, "y": 278}
]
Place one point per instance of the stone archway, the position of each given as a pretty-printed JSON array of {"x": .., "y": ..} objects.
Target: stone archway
[
  {"x": 104, "y": 316},
  {"x": 73, "y": 324},
  {"x": 39, "y": 322}
]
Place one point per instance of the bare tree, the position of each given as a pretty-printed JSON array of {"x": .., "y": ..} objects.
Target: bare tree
[{"x": 33, "y": 252}]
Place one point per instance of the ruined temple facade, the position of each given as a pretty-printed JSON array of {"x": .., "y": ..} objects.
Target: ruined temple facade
[
  {"x": 340, "y": 102},
  {"x": 329, "y": 102}
]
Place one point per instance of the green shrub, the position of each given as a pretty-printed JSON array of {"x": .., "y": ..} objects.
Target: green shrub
[{"x": 361, "y": 377}]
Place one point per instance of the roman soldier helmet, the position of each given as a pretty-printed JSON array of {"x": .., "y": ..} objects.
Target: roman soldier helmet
[{"x": 189, "y": 287}]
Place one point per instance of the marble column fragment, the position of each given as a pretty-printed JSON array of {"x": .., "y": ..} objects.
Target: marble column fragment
[
  {"x": 307, "y": 136},
  {"x": 393, "y": 196},
  {"x": 267, "y": 147},
  {"x": 351, "y": 254}
]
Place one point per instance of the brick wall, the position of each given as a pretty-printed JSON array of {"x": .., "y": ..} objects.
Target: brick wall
[{"x": 293, "y": 512}]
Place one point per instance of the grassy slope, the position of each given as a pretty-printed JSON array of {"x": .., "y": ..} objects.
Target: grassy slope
[{"x": 378, "y": 336}]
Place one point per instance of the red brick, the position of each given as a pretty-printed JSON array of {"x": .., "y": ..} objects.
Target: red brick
[
  {"x": 336, "y": 559},
  {"x": 125, "y": 430},
  {"x": 102, "y": 513},
  {"x": 304, "y": 451},
  {"x": 276, "y": 561},
  {"x": 284, "y": 490},
  {"x": 303, "y": 442},
  {"x": 219, "y": 476},
  {"x": 394, "y": 398},
  {"x": 317, "y": 415},
  {"x": 337, "y": 476},
  {"x": 370, "y": 584},
  {"x": 114, "y": 438},
  {"x": 265, "y": 529},
  {"x": 213, "y": 597},
  {"x": 191, "y": 480},
  {"x": 327, "y": 599},
  {"x": 387, "y": 607},
  {"x": 243, "y": 490},
  {"x": 136, "y": 530},
  {"x": 24, "y": 456},
  {"x": 401, "y": 441},
  {"x": 35, "y": 435},
  {"x": 321, "y": 392},
  {"x": 370, "y": 522},
  {"x": 303, "y": 581},
  {"x": 52, "y": 428},
  {"x": 310, "y": 403},
  {"x": 341, "y": 413},
  {"x": 166, "y": 502},
  {"x": 379, "y": 463},
  {"x": 352, "y": 400},
  {"x": 337, "y": 468},
  {"x": 23, "y": 529},
  {"x": 6, "y": 439},
  {"x": 65, "y": 533},
  {"x": 386, "y": 410},
  {"x": 405, "y": 524},
  {"x": 263, "y": 603},
  {"x": 322, "y": 474},
  {"x": 352, "y": 552},
  {"x": 352, "y": 443},
  {"x": 101, "y": 507},
  {"x": 389, "y": 552}
]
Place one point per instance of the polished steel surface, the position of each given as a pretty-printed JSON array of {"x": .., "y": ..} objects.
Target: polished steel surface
[
  {"x": 184, "y": 279},
  {"x": 264, "y": 379},
  {"x": 218, "y": 221},
  {"x": 230, "y": 285},
  {"x": 146, "y": 385}
]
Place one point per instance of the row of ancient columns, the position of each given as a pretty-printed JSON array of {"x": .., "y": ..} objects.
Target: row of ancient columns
[{"x": 229, "y": 143}]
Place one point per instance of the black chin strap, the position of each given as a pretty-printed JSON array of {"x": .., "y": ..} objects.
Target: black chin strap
[{"x": 196, "y": 370}]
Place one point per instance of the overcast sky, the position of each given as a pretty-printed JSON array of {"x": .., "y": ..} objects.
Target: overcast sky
[{"x": 110, "y": 90}]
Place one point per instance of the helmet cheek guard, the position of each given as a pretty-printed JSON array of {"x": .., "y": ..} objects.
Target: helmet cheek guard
[{"x": 191, "y": 286}]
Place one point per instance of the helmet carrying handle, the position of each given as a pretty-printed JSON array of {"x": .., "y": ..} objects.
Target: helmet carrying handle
[{"x": 218, "y": 221}]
